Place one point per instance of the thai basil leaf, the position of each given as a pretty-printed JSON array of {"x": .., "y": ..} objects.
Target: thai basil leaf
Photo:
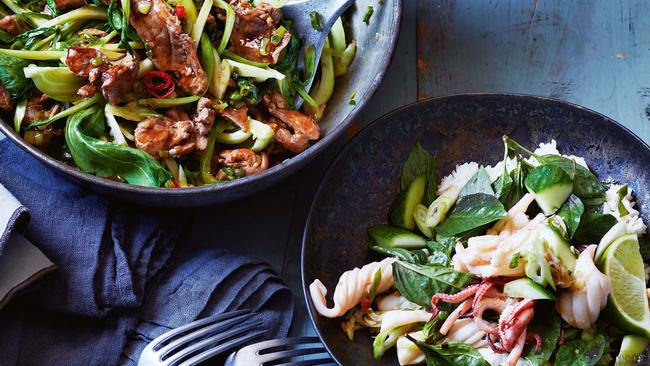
[
  {"x": 479, "y": 183},
  {"x": 581, "y": 352},
  {"x": 502, "y": 187},
  {"x": 106, "y": 159},
  {"x": 440, "y": 250},
  {"x": 417, "y": 256},
  {"x": 418, "y": 283},
  {"x": 451, "y": 353},
  {"x": 431, "y": 328},
  {"x": 548, "y": 328},
  {"x": 518, "y": 189},
  {"x": 13, "y": 78},
  {"x": 585, "y": 183},
  {"x": 592, "y": 227},
  {"x": 420, "y": 162},
  {"x": 471, "y": 212},
  {"x": 571, "y": 212}
]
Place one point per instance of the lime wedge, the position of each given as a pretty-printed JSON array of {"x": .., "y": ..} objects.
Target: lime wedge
[
  {"x": 628, "y": 301},
  {"x": 631, "y": 348}
]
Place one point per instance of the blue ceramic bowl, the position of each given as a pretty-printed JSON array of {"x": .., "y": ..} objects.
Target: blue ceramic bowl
[
  {"x": 361, "y": 183},
  {"x": 363, "y": 77}
]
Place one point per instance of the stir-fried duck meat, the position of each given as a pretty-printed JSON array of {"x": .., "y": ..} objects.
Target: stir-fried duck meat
[
  {"x": 238, "y": 116},
  {"x": 178, "y": 137},
  {"x": 253, "y": 30},
  {"x": 245, "y": 159},
  {"x": 118, "y": 79},
  {"x": 69, "y": 4},
  {"x": 113, "y": 80},
  {"x": 304, "y": 127},
  {"x": 12, "y": 25},
  {"x": 170, "y": 48},
  {"x": 40, "y": 107},
  {"x": 6, "y": 103}
]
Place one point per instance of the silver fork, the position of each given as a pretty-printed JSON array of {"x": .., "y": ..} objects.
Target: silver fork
[
  {"x": 202, "y": 339},
  {"x": 282, "y": 352}
]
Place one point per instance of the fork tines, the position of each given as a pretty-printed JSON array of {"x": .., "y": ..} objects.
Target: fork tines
[
  {"x": 204, "y": 338},
  {"x": 299, "y": 351}
]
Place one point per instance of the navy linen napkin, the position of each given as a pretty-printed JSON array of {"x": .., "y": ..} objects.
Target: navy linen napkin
[{"x": 124, "y": 275}]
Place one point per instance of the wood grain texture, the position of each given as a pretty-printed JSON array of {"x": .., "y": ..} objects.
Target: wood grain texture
[{"x": 593, "y": 53}]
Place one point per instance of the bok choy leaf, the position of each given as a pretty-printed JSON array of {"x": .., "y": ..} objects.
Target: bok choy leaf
[{"x": 106, "y": 159}]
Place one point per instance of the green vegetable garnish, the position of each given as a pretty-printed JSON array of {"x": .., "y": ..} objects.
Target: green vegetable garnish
[
  {"x": 368, "y": 15},
  {"x": 315, "y": 20}
]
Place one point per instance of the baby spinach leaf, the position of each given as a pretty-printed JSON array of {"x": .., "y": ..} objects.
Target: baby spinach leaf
[
  {"x": 548, "y": 328},
  {"x": 585, "y": 183},
  {"x": 417, "y": 256},
  {"x": 418, "y": 282},
  {"x": 471, "y": 212},
  {"x": 581, "y": 352},
  {"x": 479, "y": 183},
  {"x": 592, "y": 227},
  {"x": 420, "y": 162},
  {"x": 106, "y": 159},
  {"x": 571, "y": 212},
  {"x": 450, "y": 353}
]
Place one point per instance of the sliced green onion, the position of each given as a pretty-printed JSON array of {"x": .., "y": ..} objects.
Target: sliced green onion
[
  {"x": 83, "y": 104},
  {"x": 206, "y": 158},
  {"x": 258, "y": 73},
  {"x": 144, "y": 7},
  {"x": 132, "y": 111},
  {"x": 156, "y": 103},
  {"x": 262, "y": 134},
  {"x": 146, "y": 65},
  {"x": 387, "y": 339},
  {"x": 233, "y": 138},
  {"x": 84, "y": 13},
  {"x": 236, "y": 57},
  {"x": 19, "y": 115},
  {"x": 207, "y": 55},
  {"x": 230, "y": 23},
  {"x": 265, "y": 47},
  {"x": 315, "y": 20},
  {"x": 278, "y": 35},
  {"x": 33, "y": 55},
  {"x": 221, "y": 77},
  {"x": 197, "y": 30}
]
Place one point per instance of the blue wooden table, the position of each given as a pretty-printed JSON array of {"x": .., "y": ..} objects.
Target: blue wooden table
[{"x": 593, "y": 53}]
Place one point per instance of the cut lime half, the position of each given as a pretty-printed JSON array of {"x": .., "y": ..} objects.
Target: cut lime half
[{"x": 628, "y": 301}]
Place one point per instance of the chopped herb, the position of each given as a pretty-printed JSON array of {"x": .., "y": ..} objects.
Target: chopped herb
[
  {"x": 369, "y": 12},
  {"x": 277, "y": 36},
  {"x": 315, "y": 20},
  {"x": 353, "y": 95},
  {"x": 514, "y": 261}
]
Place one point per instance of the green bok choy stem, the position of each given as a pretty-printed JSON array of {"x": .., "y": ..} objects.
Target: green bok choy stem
[{"x": 83, "y": 104}]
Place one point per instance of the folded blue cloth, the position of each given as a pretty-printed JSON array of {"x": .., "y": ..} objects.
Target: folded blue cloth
[{"x": 124, "y": 275}]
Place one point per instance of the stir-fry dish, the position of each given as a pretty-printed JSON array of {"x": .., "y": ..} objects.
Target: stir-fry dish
[
  {"x": 532, "y": 261},
  {"x": 164, "y": 93}
]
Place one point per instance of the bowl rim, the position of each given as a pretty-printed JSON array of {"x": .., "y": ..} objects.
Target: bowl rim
[
  {"x": 281, "y": 169},
  {"x": 348, "y": 145}
]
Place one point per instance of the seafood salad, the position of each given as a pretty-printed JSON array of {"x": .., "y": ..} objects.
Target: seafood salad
[
  {"x": 165, "y": 93},
  {"x": 530, "y": 261}
]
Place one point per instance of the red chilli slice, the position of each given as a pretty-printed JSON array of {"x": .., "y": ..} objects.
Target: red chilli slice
[
  {"x": 180, "y": 11},
  {"x": 159, "y": 84}
]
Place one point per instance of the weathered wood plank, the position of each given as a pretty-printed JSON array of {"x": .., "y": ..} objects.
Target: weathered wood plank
[{"x": 593, "y": 53}]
